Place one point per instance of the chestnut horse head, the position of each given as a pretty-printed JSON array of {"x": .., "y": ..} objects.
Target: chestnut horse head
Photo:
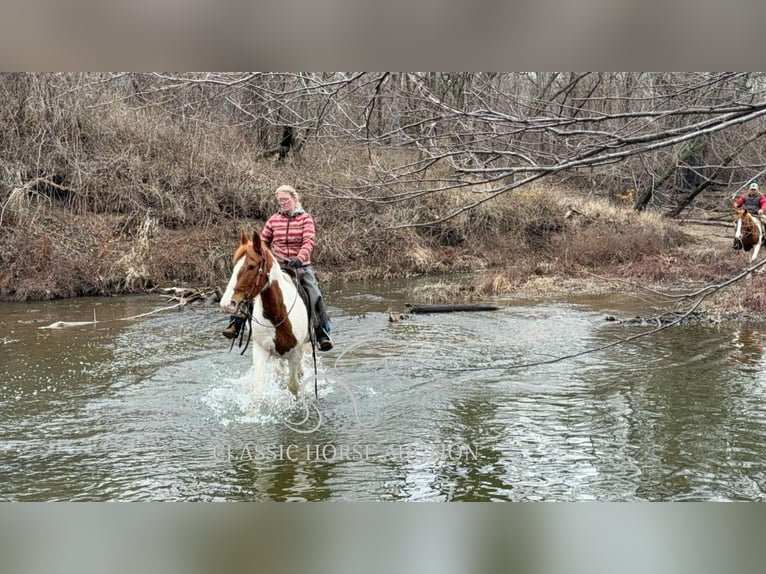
[
  {"x": 748, "y": 233},
  {"x": 278, "y": 320}
]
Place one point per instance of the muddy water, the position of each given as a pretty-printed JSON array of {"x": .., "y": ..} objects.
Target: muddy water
[{"x": 430, "y": 407}]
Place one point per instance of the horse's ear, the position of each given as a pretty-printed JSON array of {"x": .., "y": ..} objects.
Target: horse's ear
[
  {"x": 256, "y": 242},
  {"x": 242, "y": 237}
]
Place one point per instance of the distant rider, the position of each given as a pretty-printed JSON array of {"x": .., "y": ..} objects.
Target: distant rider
[{"x": 754, "y": 202}]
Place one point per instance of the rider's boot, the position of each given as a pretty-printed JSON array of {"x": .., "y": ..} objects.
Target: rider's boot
[
  {"x": 235, "y": 325},
  {"x": 323, "y": 339}
]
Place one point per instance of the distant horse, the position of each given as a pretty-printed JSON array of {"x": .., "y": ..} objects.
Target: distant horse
[
  {"x": 748, "y": 234},
  {"x": 262, "y": 293}
]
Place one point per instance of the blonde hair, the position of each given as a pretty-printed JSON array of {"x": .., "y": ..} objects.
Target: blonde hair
[
  {"x": 291, "y": 190},
  {"x": 287, "y": 189}
]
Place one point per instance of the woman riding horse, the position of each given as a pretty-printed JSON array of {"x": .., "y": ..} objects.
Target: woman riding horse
[{"x": 290, "y": 235}]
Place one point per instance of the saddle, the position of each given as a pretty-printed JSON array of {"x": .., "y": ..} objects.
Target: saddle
[
  {"x": 317, "y": 329},
  {"x": 296, "y": 275}
]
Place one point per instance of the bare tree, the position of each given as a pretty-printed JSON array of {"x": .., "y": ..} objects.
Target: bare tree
[{"x": 672, "y": 137}]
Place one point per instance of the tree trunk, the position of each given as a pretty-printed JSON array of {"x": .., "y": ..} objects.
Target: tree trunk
[
  {"x": 645, "y": 196},
  {"x": 692, "y": 150}
]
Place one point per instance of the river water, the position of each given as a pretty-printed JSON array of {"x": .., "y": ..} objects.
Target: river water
[{"x": 427, "y": 407}]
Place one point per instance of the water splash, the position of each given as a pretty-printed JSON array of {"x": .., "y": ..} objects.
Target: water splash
[{"x": 232, "y": 400}]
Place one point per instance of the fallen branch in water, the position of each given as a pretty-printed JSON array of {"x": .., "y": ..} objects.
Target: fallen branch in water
[
  {"x": 152, "y": 312},
  {"x": 187, "y": 297},
  {"x": 449, "y": 308},
  {"x": 62, "y": 324}
]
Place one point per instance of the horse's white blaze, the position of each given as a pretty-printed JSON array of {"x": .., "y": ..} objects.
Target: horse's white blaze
[
  {"x": 737, "y": 235},
  {"x": 229, "y": 293}
]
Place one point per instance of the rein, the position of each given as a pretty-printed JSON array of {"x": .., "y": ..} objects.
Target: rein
[
  {"x": 248, "y": 316},
  {"x": 312, "y": 333}
]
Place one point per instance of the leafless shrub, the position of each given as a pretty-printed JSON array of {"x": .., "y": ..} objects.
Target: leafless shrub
[
  {"x": 61, "y": 255},
  {"x": 403, "y": 172}
]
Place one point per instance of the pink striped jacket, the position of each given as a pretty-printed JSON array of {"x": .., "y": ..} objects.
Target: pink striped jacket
[{"x": 290, "y": 235}]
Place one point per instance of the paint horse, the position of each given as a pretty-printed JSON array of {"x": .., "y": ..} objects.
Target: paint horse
[
  {"x": 748, "y": 234},
  {"x": 278, "y": 319}
]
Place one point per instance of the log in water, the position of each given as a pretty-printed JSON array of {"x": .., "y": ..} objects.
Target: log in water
[{"x": 449, "y": 308}]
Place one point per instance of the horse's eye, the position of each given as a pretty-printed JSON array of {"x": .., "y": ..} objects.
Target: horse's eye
[{"x": 250, "y": 267}]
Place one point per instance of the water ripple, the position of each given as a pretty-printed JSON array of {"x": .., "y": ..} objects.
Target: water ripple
[{"x": 426, "y": 408}]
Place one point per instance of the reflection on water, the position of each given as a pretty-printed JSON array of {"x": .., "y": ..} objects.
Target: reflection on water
[{"x": 425, "y": 408}]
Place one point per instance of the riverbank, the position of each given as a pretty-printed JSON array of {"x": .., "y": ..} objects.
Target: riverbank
[
  {"x": 701, "y": 271},
  {"x": 119, "y": 183},
  {"x": 540, "y": 242},
  {"x": 68, "y": 255}
]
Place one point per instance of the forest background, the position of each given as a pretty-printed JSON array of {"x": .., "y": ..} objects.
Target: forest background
[{"x": 119, "y": 182}]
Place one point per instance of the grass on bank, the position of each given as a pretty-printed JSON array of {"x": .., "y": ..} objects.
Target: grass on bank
[
  {"x": 518, "y": 241},
  {"x": 125, "y": 201}
]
